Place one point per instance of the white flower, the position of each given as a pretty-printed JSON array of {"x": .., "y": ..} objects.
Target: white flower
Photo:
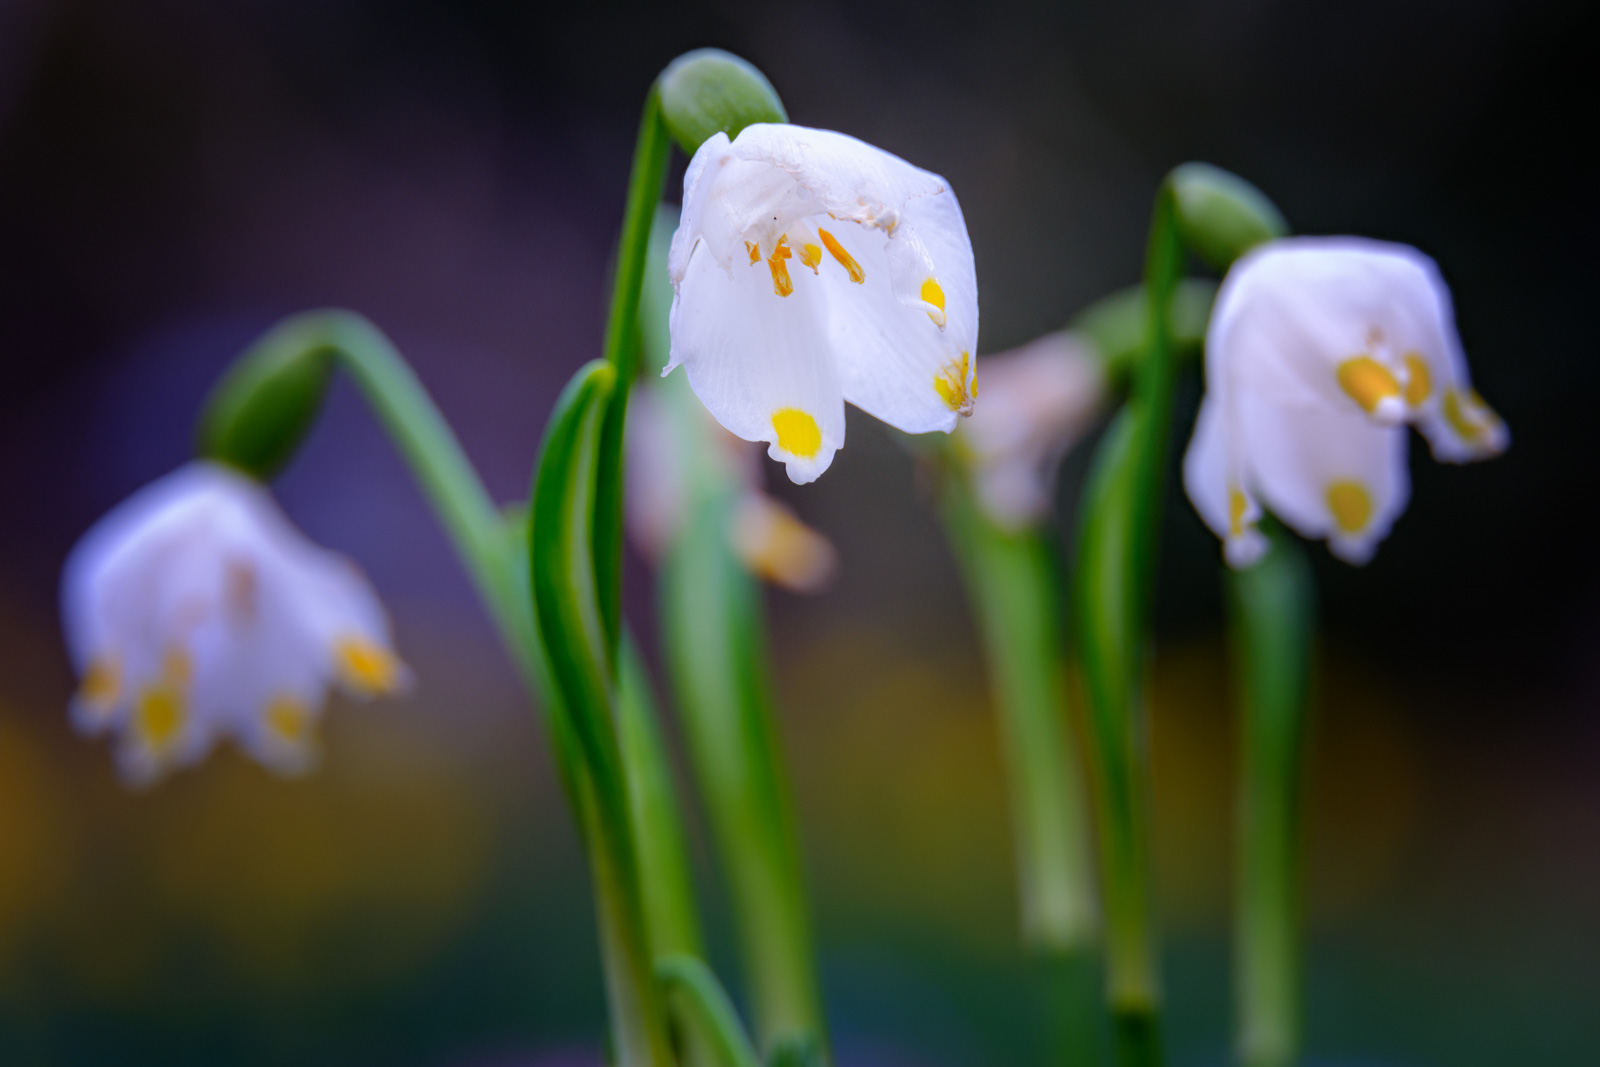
[
  {"x": 194, "y": 611},
  {"x": 765, "y": 534},
  {"x": 1038, "y": 400},
  {"x": 1320, "y": 349},
  {"x": 810, "y": 269}
]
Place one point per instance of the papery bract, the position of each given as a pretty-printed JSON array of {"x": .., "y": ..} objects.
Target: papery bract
[
  {"x": 810, "y": 268},
  {"x": 194, "y": 611},
  {"x": 1320, "y": 350}
]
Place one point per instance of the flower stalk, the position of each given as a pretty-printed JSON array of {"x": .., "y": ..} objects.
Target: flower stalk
[
  {"x": 1116, "y": 560},
  {"x": 1272, "y": 614}
]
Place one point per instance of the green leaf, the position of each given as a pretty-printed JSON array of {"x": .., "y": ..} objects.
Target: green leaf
[{"x": 694, "y": 990}]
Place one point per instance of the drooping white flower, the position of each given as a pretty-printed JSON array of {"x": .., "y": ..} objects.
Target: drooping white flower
[
  {"x": 766, "y": 535},
  {"x": 1320, "y": 350},
  {"x": 1038, "y": 400},
  {"x": 810, "y": 268},
  {"x": 195, "y": 612}
]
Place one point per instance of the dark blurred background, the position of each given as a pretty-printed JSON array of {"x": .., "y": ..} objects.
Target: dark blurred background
[{"x": 175, "y": 175}]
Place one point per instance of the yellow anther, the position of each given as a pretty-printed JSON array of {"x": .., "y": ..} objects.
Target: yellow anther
[
  {"x": 780, "y": 269},
  {"x": 1468, "y": 415},
  {"x": 1419, "y": 379},
  {"x": 101, "y": 686},
  {"x": 957, "y": 384},
  {"x": 159, "y": 716},
  {"x": 1350, "y": 505},
  {"x": 366, "y": 667},
  {"x": 798, "y": 433},
  {"x": 810, "y": 255},
  {"x": 1367, "y": 382},
  {"x": 754, "y": 250},
  {"x": 846, "y": 260},
  {"x": 288, "y": 719},
  {"x": 1238, "y": 504},
  {"x": 932, "y": 294}
]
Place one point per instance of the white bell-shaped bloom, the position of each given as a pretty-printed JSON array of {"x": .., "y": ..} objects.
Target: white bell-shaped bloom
[
  {"x": 195, "y": 612},
  {"x": 810, "y": 268},
  {"x": 1038, "y": 401},
  {"x": 766, "y": 535},
  {"x": 1319, "y": 351}
]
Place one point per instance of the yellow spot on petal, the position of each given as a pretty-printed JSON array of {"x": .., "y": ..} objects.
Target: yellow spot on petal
[
  {"x": 1238, "y": 504},
  {"x": 754, "y": 250},
  {"x": 1419, "y": 379},
  {"x": 158, "y": 717},
  {"x": 798, "y": 433},
  {"x": 101, "y": 685},
  {"x": 780, "y": 269},
  {"x": 1468, "y": 415},
  {"x": 366, "y": 667},
  {"x": 810, "y": 255},
  {"x": 846, "y": 260},
  {"x": 957, "y": 384},
  {"x": 932, "y": 294},
  {"x": 1367, "y": 382},
  {"x": 1351, "y": 506},
  {"x": 288, "y": 720}
]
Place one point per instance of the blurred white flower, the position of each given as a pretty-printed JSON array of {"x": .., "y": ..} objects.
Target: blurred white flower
[
  {"x": 888, "y": 319},
  {"x": 194, "y": 611},
  {"x": 766, "y": 535},
  {"x": 1320, "y": 350},
  {"x": 1038, "y": 400}
]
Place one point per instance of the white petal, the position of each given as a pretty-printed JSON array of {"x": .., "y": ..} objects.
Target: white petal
[
  {"x": 759, "y": 361},
  {"x": 1214, "y": 480},
  {"x": 1328, "y": 472}
]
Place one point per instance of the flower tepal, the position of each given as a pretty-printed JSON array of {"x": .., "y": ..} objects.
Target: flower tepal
[
  {"x": 809, "y": 269},
  {"x": 195, "y": 612},
  {"x": 1319, "y": 351}
]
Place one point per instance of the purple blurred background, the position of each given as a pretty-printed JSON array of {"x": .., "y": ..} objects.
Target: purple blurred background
[{"x": 176, "y": 175}]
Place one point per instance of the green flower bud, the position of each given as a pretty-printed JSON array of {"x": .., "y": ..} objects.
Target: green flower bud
[
  {"x": 258, "y": 413},
  {"x": 709, "y": 90},
  {"x": 1221, "y": 215}
]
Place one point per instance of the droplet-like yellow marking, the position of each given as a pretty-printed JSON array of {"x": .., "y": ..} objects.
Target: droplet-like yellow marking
[
  {"x": 798, "y": 433},
  {"x": 1367, "y": 382},
  {"x": 101, "y": 686},
  {"x": 1468, "y": 415},
  {"x": 810, "y": 255},
  {"x": 288, "y": 720},
  {"x": 365, "y": 666},
  {"x": 956, "y": 384},
  {"x": 1419, "y": 379},
  {"x": 780, "y": 269},
  {"x": 754, "y": 250},
  {"x": 158, "y": 717},
  {"x": 1351, "y": 506},
  {"x": 932, "y": 294},
  {"x": 846, "y": 260},
  {"x": 1238, "y": 504}
]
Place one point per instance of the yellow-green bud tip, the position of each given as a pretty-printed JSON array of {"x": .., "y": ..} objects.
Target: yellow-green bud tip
[
  {"x": 1221, "y": 215},
  {"x": 709, "y": 90}
]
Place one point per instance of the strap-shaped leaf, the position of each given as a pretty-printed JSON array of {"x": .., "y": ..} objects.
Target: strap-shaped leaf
[{"x": 694, "y": 990}]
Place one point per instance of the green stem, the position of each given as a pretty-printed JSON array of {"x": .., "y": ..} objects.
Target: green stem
[
  {"x": 714, "y": 631},
  {"x": 651, "y": 151},
  {"x": 689, "y": 982},
  {"x": 1012, "y": 579},
  {"x": 1272, "y": 614},
  {"x": 1113, "y": 593}
]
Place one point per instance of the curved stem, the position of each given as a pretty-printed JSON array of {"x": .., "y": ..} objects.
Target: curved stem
[
  {"x": 690, "y": 983},
  {"x": 1113, "y": 594}
]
